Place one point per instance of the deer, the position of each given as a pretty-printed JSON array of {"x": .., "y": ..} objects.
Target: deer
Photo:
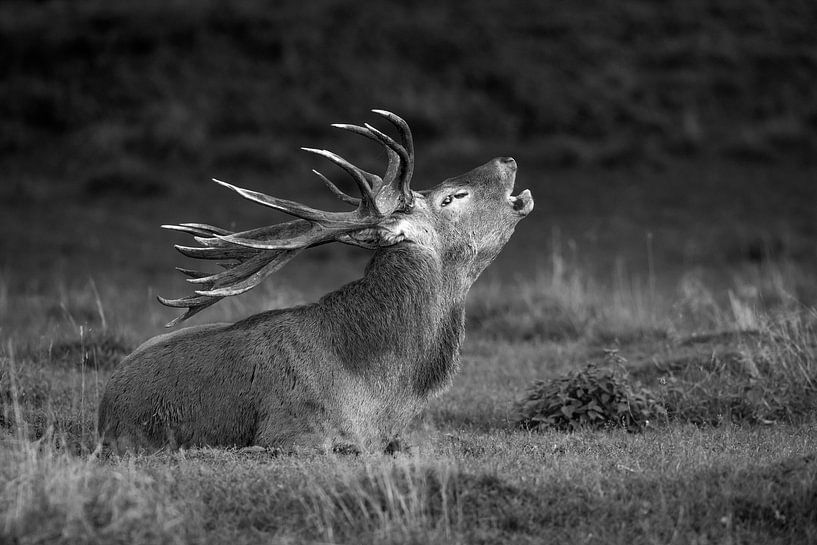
[{"x": 348, "y": 372}]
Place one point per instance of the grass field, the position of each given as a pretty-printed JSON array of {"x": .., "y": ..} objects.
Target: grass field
[
  {"x": 733, "y": 459},
  {"x": 670, "y": 150}
]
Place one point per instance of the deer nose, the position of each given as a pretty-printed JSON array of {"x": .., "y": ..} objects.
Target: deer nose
[{"x": 507, "y": 162}]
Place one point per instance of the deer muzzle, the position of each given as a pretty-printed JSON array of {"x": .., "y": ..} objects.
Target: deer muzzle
[{"x": 522, "y": 204}]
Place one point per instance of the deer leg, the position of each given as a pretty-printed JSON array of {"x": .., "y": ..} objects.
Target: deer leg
[{"x": 300, "y": 428}]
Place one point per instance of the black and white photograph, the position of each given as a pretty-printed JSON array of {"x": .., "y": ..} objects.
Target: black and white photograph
[{"x": 418, "y": 272}]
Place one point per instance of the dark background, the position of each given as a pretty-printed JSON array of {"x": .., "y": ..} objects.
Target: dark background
[{"x": 688, "y": 128}]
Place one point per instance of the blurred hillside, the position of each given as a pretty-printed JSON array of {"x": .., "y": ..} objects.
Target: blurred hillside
[
  {"x": 600, "y": 82},
  {"x": 694, "y": 121}
]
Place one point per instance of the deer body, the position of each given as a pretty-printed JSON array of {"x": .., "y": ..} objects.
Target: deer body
[{"x": 349, "y": 370}]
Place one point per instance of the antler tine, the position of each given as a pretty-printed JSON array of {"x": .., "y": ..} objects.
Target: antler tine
[
  {"x": 336, "y": 190},
  {"x": 226, "y": 252},
  {"x": 408, "y": 143},
  {"x": 235, "y": 280},
  {"x": 284, "y": 236},
  {"x": 240, "y": 283},
  {"x": 284, "y": 205},
  {"x": 357, "y": 129},
  {"x": 191, "y": 273},
  {"x": 278, "y": 230},
  {"x": 235, "y": 273},
  {"x": 394, "y": 159},
  {"x": 198, "y": 229},
  {"x": 363, "y": 179},
  {"x": 388, "y": 141},
  {"x": 241, "y": 272},
  {"x": 405, "y": 131},
  {"x": 194, "y": 304},
  {"x": 181, "y": 302},
  {"x": 406, "y": 161},
  {"x": 308, "y": 239}
]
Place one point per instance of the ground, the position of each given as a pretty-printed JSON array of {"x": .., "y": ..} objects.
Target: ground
[
  {"x": 670, "y": 150},
  {"x": 728, "y": 346}
]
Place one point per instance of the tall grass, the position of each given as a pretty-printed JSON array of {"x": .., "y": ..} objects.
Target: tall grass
[
  {"x": 562, "y": 300},
  {"x": 50, "y": 496},
  {"x": 714, "y": 356},
  {"x": 415, "y": 500}
]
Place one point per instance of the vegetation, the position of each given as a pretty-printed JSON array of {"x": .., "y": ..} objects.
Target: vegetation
[
  {"x": 616, "y": 84},
  {"x": 590, "y": 398},
  {"x": 732, "y": 459},
  {"x": 670, "y": 149}
]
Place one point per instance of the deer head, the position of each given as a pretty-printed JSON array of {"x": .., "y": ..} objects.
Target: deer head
[
  {"x": 464, "y": 221},
  {"x": 467, "y": 219}
]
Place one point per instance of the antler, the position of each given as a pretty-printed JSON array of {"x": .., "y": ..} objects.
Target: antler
[{"x": 251, "y": 256}]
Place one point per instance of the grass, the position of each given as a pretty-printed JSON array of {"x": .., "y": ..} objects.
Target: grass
[
  {"x": 733, "y": 460},
  {"x": 680, "y": 483}
]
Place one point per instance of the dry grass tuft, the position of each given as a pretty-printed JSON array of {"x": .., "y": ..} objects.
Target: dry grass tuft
[
  {"x": 415, "y": 501},
  {"x": 51, "y": 496},
  {"x": 762, "y": 376}
]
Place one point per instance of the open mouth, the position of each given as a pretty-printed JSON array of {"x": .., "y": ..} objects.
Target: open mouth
[{"x": 522, "y": 204}]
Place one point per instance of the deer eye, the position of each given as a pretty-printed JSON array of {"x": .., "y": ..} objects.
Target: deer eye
[{"x": 447, "y": 200}]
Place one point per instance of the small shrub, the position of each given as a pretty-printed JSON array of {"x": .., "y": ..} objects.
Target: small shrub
[{"x": 591, "y": 397}]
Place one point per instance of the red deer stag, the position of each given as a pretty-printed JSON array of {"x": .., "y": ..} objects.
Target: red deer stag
[{"x": 349, "y": 371}]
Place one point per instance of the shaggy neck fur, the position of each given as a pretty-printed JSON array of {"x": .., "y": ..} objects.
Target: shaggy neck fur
[{"x": 402, "y": 322}]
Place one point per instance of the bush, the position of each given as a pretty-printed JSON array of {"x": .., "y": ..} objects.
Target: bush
[{"x": 591, "y": 397}]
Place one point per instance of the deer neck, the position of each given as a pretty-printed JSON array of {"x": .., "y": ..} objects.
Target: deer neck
[{"x": 402, "y": 322}]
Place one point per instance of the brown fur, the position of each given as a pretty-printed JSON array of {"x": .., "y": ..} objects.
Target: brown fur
[{"x": 351, "y": 369}]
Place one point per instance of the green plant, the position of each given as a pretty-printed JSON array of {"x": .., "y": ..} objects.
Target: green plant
[{"x": 590, "y": 397}]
